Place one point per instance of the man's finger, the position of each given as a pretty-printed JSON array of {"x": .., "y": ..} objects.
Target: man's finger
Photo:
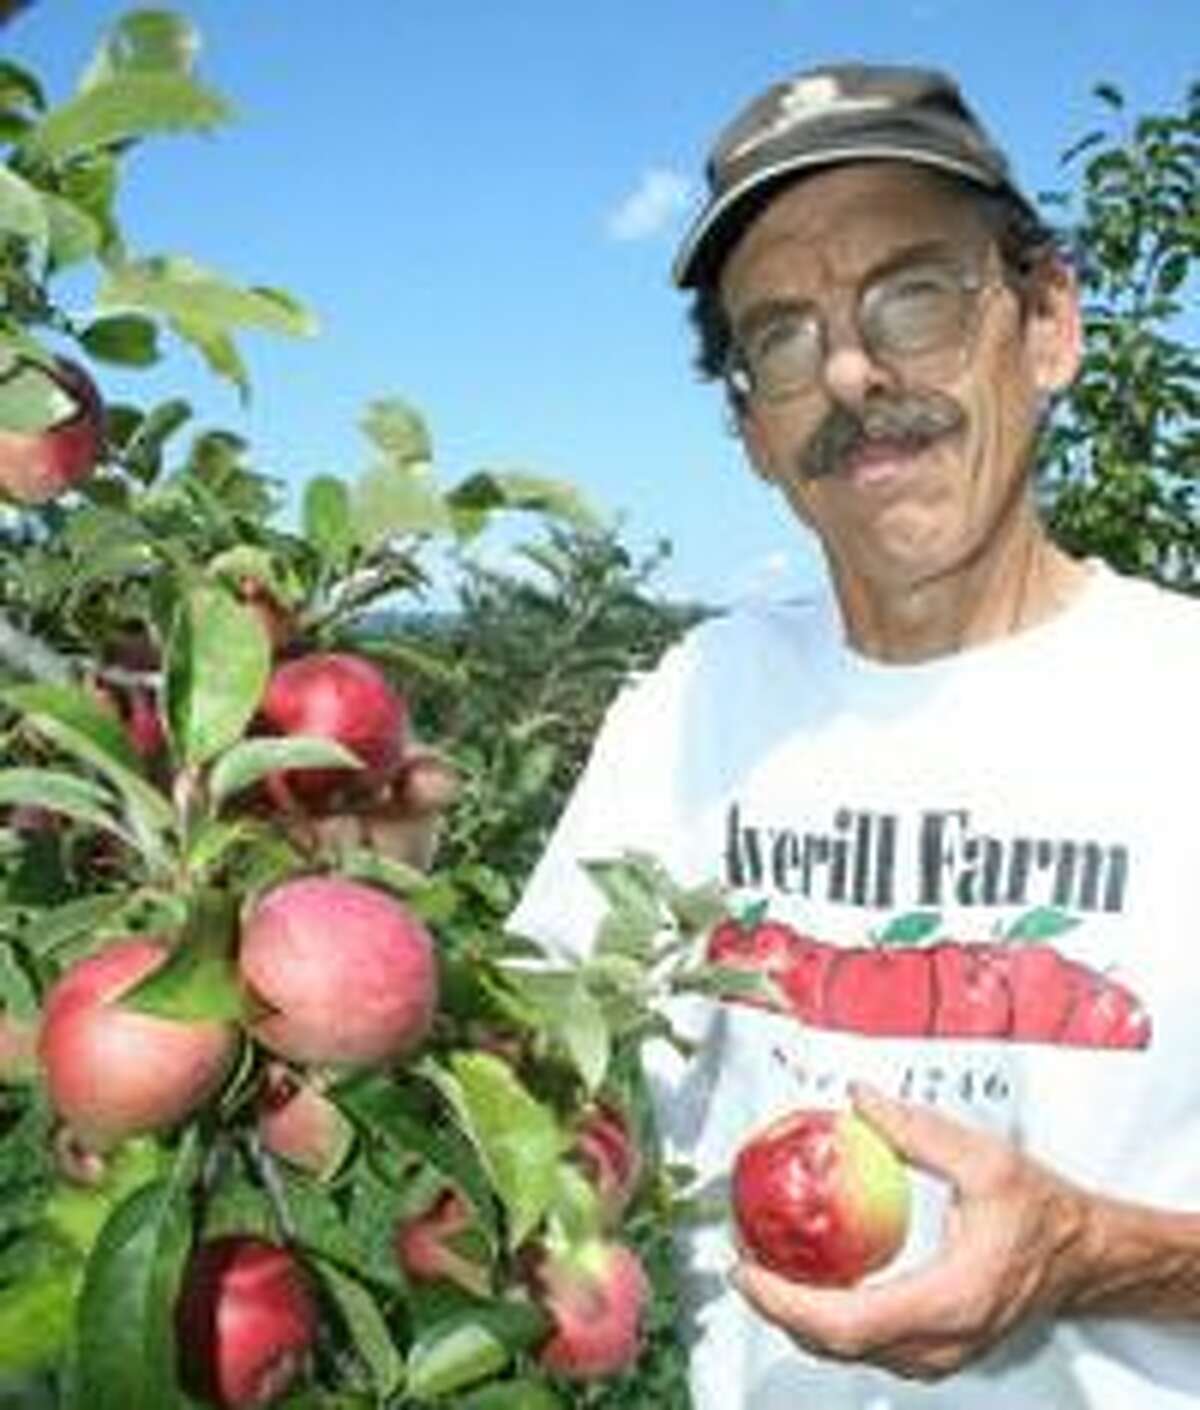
[
  {"x": 925, "y": 1137},
  {"x": 850, "y": 1323}
]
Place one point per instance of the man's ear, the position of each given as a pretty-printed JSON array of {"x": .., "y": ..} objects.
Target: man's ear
[{"x": 1054, "y": 326}]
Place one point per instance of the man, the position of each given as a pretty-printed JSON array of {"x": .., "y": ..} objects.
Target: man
[{"x": 961, "y": 784}]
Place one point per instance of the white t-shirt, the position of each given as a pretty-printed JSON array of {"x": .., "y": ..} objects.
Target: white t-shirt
[{"x": 1039, "y": 788}]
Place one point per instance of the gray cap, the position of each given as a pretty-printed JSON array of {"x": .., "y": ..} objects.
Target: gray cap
[{"x": 837, "y": 113}]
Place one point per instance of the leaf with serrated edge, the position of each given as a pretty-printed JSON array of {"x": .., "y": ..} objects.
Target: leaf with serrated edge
[
  {"x": 367, "y": 1326},
  {"x": 252, "y": 759},
  {"x": 517, "y": 1137},
  {"x": 125, "y": 1336},
  {"x": 125, "y": 107}
]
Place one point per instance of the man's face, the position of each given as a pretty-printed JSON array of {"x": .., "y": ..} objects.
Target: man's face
[{"x": 926, "y": 481}]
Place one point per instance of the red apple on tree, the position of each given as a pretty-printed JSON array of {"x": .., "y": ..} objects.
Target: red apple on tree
[
  {"x": 595, "y": 1295},
  {"x": 819, "y": 1197},
  {"x": 112, "y": 1072},
  {"x": 245, "y": 1321},
  {"x": 298, "y": 1123},
  {"x": 347, "y": 975},
  {"x": 38, "y": 466},
  {"x": 344, "y": 698},
  {"x": 605, "y": 1148},
  {"x": 442, "y": 1242}
]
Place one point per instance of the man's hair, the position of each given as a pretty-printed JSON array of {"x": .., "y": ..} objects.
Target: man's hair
[{"x": 1024, "y": 242}]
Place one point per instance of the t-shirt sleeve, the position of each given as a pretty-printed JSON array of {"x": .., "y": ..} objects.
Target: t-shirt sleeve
[{"x": 624, "y": 800}]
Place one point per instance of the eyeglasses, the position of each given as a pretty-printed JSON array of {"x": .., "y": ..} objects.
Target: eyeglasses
[{"x": 919, "y": 311}]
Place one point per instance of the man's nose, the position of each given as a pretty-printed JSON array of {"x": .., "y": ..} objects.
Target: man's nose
[{"x": 852, "y": 374}]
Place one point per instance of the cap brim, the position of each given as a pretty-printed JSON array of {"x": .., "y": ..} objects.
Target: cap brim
[{"x": 701, "y": 240}]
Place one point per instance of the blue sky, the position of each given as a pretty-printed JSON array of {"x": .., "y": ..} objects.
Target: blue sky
[{"x": 480, "y": 203}]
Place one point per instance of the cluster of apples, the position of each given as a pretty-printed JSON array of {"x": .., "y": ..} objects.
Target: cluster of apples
[
  {"x": 339, "y": 976},
  {"x": 594, "y": 1289}
]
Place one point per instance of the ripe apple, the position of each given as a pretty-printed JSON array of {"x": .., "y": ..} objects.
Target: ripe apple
[
  {"x": 346, "y": 973},
  {"x": 37, "y": 466},
  {"x": 442, "y": 1243},
  {"x": 344, "y": 698},
  {"x": 605, "y": 1148},
  {"x": 298, "y": 1123},
  {"x": 595, "y": 1295},
  {"x": 820, "y": 1197},
  {"x": 112, "y": 1072},
  {"x": 245, "y": 1321}
]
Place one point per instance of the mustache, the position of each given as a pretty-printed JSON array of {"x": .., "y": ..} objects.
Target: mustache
[{"x": 915, "y": 421}]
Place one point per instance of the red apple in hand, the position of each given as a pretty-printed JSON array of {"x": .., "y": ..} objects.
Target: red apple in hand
[
  {"x": 346, "y": 973},
  {"x": 343, "y": 698},
  {"x": 819, "y": 1197},
  {"x": 37, "y": 466},
  {"x": 112, "y": 1072},
  {"x": 595, "y": 1295},
  {"x": 245, "y": 1321}
]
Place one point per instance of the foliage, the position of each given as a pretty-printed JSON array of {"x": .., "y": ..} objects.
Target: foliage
[
  {"x": 1120, "y": 478},
  {"x": 141, "y": 617},
  {"x": 538, "y": 654}
]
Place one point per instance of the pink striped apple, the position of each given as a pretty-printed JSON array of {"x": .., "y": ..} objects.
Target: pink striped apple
[{"x": 820, "y": 1197}]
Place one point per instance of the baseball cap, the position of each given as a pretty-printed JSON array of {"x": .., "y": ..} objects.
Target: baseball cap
[{"x": 836, "y": 113}]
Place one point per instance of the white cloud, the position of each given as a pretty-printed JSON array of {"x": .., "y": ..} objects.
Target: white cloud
[{"x": 650, "y": 208}]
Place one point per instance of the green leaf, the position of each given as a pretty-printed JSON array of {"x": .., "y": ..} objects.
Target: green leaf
[
  {"x": 470, "y": 1346},
  {"x": 572, "y": 1017},
  {"x": 73, "y": 720},
  {"x": 399, "y": 430},
  {"x": 60, "y": 926},
  {"x": 328, "y": 524},
  {"x": 126, "y": 339},
  {"x": 35, "y": 1312},
  {"x": 383, "y": 1113},
  {"x": 22, "y": 210},
  {"x": 397, "y": 498},
  {"x": 157, "y": 41},
  {"x": 630, "y": 889},
  {"x": 513, "y": 1395},
  {"x": 30, "y": 401},
  {"x": 123, "y": 107},
  {"x": 75, "y": 234},
  {"x": 178, "y": 288},
  {"x": 78, "y": 1213},
  {"x": 253, "y": 759},
  {"x": 68, "y": 794},
  {"x": 19, "y": 88},
  {"x": 125, "y": 1331},
  {"x": 473, "y": 500},
  {"x": 218, "y": 661},
  {"x": 367, "y": 1327},
  {"x": 518, "y": 1139},
  {"x": 199, "y": 981}
]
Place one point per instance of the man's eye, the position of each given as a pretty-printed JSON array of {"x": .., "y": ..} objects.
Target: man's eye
[{"x": 780, "y": 336}]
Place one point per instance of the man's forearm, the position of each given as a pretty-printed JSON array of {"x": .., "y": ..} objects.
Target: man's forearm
[{"x": 1136, "y": 1261}]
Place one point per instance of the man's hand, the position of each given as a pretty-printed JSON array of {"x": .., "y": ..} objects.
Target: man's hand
[{"x": 1012, "y": 1249}]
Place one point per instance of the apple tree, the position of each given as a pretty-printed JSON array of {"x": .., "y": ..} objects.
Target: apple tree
[{"x": 287, "y": 1116}]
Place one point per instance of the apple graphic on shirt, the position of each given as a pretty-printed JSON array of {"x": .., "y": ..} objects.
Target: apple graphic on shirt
[
  {"x": 972, "y": 997},
  {"x": 880, "y": 989},
  {"x": 820, "y": 1197}
]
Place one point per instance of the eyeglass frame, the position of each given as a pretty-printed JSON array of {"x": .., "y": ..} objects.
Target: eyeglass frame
[{"x": 974, "y": 277}]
